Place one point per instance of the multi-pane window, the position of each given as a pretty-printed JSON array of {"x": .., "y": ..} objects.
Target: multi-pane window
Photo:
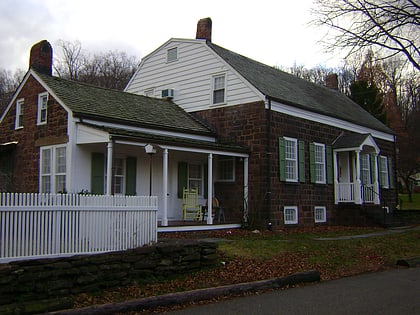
[
  {"x": 365, "y": 169},
  {"x": 383, "y": 171},
  {"x": 320, "y": 214},
  {"x": 319, "y": 150},
  {"x": 42, "y": 108},
  {"x": 118, "y": 176},
  {"x": 172, "y": 54},
  {"x": 226, "y": 169},
  {"x": 290, "y": 215},
  {"x": 53, "y": 169},
  {"x": 291, "y": 159},
  {"x": 195, "y": 177},
  {"x": 219, "y": 89},
  {"x": 19, "y": 114}
]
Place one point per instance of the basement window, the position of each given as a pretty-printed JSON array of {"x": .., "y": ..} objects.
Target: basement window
[
  {"x": 320, "y": 214},
  {"x": 290, "y": 215}
]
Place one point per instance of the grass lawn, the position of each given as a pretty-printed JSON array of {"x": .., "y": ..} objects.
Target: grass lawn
[{"x": 406, "y": 205}]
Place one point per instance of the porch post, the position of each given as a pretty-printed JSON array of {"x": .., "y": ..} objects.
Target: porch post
[
  {"x": 165, "y": 188},
  {"x": 336, "y": 186},
  {"x": 210, "y": 189},
  {"x": 377, "y": 200},
  {"x": 245, "y": 205},
  {"x": 109, "y": 168},
  {"x": 357, "y": 181}
]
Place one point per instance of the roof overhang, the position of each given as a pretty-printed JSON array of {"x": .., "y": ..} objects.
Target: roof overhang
[{"x": 356, "y": 142}]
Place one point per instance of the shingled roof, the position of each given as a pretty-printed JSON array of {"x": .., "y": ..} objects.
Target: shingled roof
[
  {"x": 86, "y": 100},
  {"x": 291, "y": 90}
]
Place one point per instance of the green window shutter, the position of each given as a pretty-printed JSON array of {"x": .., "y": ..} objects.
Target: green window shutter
[
  {"x": 372, "y": 158},
  {"x": 97, "y": 174},
  {"x": 206, "y": 181},
  {"x": 329, "y": 164},
  {"x": 282, "y": 159},
  {"x": 312, "y": 162},
  {"x": 391, "y": 173},
  {"x": 182, "y": 177},
  {"x": 130, "y": 179},
  {"x": 301, "y": 160}
]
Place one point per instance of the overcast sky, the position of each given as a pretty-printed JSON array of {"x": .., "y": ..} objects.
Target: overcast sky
[{"x": 273, "y": 32}]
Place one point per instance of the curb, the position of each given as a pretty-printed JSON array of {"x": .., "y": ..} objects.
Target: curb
[{"x": 195, "y": 295}]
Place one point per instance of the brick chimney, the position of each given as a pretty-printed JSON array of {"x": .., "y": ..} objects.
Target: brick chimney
[
  {"x": 331, "y": 81},
  {"x": 204, "y": 29},
  {"x": 41, "y": 57}
]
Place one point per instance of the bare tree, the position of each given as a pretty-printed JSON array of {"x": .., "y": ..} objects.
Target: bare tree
[
  {"x": 9, "y": 82},
  {"x": 71, "y": 61},
  {"x": 392, "y": 26}
]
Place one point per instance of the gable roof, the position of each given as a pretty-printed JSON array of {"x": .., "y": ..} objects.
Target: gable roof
[
  {"x": 91, "y": 101},
  {"x": 291, "y": 90}
]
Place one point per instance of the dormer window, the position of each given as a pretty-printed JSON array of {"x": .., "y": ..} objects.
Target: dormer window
[
  {"x": 19, "y": 114},
  {"x": 42, "y": 108},
  {"x": 172, "y": 54}
]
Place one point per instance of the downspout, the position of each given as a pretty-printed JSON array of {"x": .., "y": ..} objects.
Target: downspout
[{"x": 267, "y": 196}]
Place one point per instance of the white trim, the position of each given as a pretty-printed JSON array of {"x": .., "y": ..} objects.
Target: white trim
[
  {"x": 150, "y": 131},
  {"x": 40, "y": 108},
  {"x": 296, "y": 169},
  {"x": 324, "y": 162},
  {"x": 20, "y": 104},
  {"x": 189, "y": 228},
  {"x": 213, "y": 89},
  {"x": 324, "y": 214},
  {"x": 327, "y": 120},
  {"x": 206, "y": 151},
  {"x": 53, "y": 164},
  {"x": 296, "y": 215}
]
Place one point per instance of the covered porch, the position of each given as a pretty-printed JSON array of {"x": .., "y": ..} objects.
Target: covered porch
[
  {"x": 355, "y": 159},
  {"x": 136, "y": 163}
]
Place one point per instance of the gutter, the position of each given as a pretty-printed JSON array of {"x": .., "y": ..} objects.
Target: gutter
[{"x": 267, "y": 195}]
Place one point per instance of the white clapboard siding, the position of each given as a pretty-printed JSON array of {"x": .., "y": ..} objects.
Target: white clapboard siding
[
  {"x": 44, "y": 225},
  {"x": 190, "y": 76}
]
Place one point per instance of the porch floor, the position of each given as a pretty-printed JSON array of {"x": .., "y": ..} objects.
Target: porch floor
[{"x": 179, "y": 226}]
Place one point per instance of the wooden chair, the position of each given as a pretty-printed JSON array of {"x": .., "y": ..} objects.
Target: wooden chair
[{"x": 191, "y": 210}]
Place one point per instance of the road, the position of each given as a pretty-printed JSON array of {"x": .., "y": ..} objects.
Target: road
[{"x": 394, "y": 291}]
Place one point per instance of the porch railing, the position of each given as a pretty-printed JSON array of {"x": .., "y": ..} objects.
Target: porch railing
[
  {"x": 345, "y": 192},
  {"x": 368, "y": 193},
  {"x": 45, "y": 225}
]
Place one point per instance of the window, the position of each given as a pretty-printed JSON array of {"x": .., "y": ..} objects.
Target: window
[
  {"x": 319, "y": 160},
  {"x": 291, "y": 159},
  {"x": 172, "y": 54},
  {"x": 119, "y": 176},
  {"x": 290, "y": 215},
  {"x": 226, "y": 169},
  {"x": 365, "y": 169},
  {"x": 42, "y": 108},
  {"x": 195, "y": 177},
  {"x": 383, "y": 171},
  {"x": 53, "y": 169},
  {"x": 219, "y": 89},
  {"x": 320, "y": 214},
  {"x": 19, "y": 114}
]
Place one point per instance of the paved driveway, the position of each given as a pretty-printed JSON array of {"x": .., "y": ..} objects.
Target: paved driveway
[{"x": 395, "y": 291}]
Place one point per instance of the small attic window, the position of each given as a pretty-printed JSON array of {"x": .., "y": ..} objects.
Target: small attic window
[{"x": 172, "y": 54}]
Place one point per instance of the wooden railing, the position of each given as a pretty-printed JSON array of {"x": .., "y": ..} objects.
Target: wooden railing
[
  {"x": 45, "y": 225},
  {"x": 345, "y": 192}
]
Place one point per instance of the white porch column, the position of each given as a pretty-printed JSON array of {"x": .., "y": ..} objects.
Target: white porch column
[
  {"x": 376, "y": 197},
  {"x": 246, "y": 180},
  {"x": 357, "y": 181},
  {"x": 210, "y": 189},
  {"x": 335, "y": 174},
  {"x": 165, "y": 188},
  {"x": 109, "y": 168}
]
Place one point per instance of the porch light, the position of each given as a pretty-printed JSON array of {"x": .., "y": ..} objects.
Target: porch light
[{"x": 150, "y": 150}]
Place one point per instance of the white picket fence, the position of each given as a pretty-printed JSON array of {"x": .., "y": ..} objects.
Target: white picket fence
[{"x": 44, "y": 225}]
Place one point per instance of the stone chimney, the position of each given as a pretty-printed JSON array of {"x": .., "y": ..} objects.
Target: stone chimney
[
  {"x": 331, "y": 81},
  {"x": 41, "y": 57},
  {"x": 204, "y": 29}
]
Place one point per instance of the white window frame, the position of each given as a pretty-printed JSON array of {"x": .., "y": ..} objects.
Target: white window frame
[
  {"x": 320, "y": 214},
  {"x": 365, "y": 172},
  {"x": 290, "y": 215},
  {"x": 319, "y": 161},
  {"x": 225, "y": 165},
  {"x": 292, "y": 162},
  {"x": 20, "y": 106},
  {"x": 42, "y": 108},
  {"x": 218, "y": 88},
  {"x": 383, "y": 171},
  {"x": 199, "y": 180},
  {"x": 54, "y": 170},
  {"x": 172, "y": 54},
  {"x": 120, "y": 176}
]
